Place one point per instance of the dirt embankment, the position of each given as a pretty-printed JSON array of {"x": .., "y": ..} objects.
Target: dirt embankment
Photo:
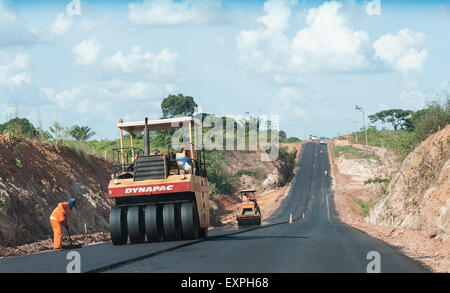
[
  {"x": 419, "y": 195},
  {"x": 35, "y": 177},
  {"x": 263, "y": 176},
  {"x": 411, "y": 212}
]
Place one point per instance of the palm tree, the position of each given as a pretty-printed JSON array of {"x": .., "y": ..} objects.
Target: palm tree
[{"x": 81, "y": 133}]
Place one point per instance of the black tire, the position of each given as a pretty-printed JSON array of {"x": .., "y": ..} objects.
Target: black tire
[
  {"x": 118, "y": 225},
  {"x": 190, "y": 227},
  {"x": 154, "y": 223},
  {"x": 135, "y": 221},
  {"x": 203, "y": 232},
  {"x": 171, "y": 222}
]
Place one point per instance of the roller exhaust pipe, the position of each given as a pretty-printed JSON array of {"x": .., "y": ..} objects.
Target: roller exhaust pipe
[{"x": 146, "y": 139}]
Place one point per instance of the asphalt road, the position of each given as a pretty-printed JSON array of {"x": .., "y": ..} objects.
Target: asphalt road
[{"x": 316, "y": 243}]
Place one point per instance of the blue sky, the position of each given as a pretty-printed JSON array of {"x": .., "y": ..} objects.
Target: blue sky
[{"x": 309, "y": 62}]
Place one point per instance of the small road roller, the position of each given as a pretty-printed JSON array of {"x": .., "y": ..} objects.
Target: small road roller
[
  {"x": 248, "y": 213},
  {"x": 159, "y": 196}
]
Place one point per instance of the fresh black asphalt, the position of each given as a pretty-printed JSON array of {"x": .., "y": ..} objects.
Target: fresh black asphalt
[{"x": 319, "y": 242}]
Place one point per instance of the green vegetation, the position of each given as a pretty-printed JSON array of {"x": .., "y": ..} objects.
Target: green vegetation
[
  {"x": 431, "y": 119},
  {"x": 18, "y": 163},
  {"x": 219, "y": 180},
  {"x": 350, "y": 152},
  {"x": 2, "y": 205},
  {"x": 291, "y": 139},
  {"x": 19, "y": 127},
  {"x": 365, "y": 207},
  {"x": 415, "y": 127},
  {"x": 284, "y": 139},
  {"x": 81, "y": 133},
  {"x": 175, "y": 105},
  {"x": 397, "y": 117},
  {"x": 257, "y": 174},
  {"x": 288, "y": 159},
  {"x": 379, "y": 138},
  {"x": 381, "y": 182}
]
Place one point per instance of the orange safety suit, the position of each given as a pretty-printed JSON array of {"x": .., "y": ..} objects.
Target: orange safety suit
[{"x": 57, "y": 218}]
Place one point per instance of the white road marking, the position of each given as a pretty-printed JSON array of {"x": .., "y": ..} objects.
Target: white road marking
[{"x": 328, "y": 208}]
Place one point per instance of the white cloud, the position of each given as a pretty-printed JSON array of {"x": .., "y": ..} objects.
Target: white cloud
[
  {"x": 401, "y": 52},
  {"x": 91, "y": 99},
  {"x": 15, "y": 71},
  {"x": 373, "y": 7},
  {"x": 144, "y": 64},
  {"x": 288, "y": 100},
  {"x": 411, "y": 95},
  {"x": 326, "y": 44},
  {"x": 170, "y": 12},
  {"x": 137, "y": 80},
  {"x": 277, "y": 14},
  {"x": 13, "y": 29},
  {"x": 62, "y": 24},
  {"x": 87, "y": 52}
]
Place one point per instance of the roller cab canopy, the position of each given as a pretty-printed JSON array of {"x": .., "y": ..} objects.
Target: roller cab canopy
[{"x": 160, "y": 124}]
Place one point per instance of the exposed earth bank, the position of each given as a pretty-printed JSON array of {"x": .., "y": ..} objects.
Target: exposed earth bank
[
  {"x": 36, "y": 176},
  {"x": 412, "y": 210}
]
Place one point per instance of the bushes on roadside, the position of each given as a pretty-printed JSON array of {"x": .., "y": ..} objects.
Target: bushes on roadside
[
  {"x": 431, "y": 119},
  {"x": 219, "y": 180}
]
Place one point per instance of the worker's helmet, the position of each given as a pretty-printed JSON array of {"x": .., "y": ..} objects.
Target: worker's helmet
[{"x": 72, "y": 202}]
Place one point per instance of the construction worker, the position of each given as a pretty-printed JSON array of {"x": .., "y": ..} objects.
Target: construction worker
[{"x": 58, "y": 217}]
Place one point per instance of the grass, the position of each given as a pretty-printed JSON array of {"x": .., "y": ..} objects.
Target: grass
[
  {"x": 401, "y": 142},
  {"x": 350, "y": 152},
  {"x": 257, "y": 174},
  {"x": 365, "y": 207},
  {"x": 386, "y": 138},
  {"x": 18, "y": 163}
]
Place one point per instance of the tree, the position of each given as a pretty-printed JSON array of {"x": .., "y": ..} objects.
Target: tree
[
  {"x": 19, "y": 127},
  {"x": 59, "y": 131},
  {"x": 81, "y": 133},
  {"x": 43, "y": 134},
  {"x": 397, "y": 117},
  {"x": 178, "y": 105},
  {"x": 431, "y": 119}
]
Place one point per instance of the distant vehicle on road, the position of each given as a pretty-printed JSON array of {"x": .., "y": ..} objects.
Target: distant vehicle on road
[
  {"x": 322, "y": 141},
  {"x": 313, "y": 137},
  {"x": 248, "y": 213}
]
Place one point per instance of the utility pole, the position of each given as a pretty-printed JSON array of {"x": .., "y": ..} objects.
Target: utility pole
[
  {"x": 348, "y": 126},
  {"x": 362, "y": 111},
  {"x": 356, "y": 131}
]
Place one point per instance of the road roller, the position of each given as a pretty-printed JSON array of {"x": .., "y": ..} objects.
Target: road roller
[
  {"x": 158, "y": 195},
  {"x": 248, "y": 213}
]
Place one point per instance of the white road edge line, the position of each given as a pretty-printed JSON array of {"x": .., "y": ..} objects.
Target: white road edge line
[{"x": 328, "y": 208}]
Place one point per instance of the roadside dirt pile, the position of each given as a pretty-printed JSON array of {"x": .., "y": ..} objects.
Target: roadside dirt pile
[
  {"x": 265, "y": 177},
  {"x": 35, "y": 176},
  {"x": 48, "y": 244},
  {"x": 418, "y": 197}
]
